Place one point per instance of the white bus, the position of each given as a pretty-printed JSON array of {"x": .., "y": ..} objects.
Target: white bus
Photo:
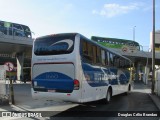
[{"x": 71, "y": 67}]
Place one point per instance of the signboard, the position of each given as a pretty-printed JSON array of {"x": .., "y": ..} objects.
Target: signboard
[
  {"x": 157, "y": 49},
  {"x": 133, "y": 49},
  {"x": 8, "y": 66},
  {"x": 125, "y": 49},
  {"x": 129, "y": 49}
]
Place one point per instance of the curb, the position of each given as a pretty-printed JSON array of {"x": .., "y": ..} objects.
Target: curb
[
  {"x": 156, "y": 100},
  {"x": 4, "y": 102}
]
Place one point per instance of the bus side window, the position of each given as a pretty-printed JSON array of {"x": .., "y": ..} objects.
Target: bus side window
[
  {"x": 84, "y": 46},
  {"x": 98, "y": 56},
  {"x": 86, "y": 52},
  {"x": 90, "y": 52},
  {"x": 103, "y": 57},
  {"x": 127, "y": 64},
  {"x": 111, "y": 59},
  {"x": 107, "y": 58},
  {"x": 121, "y": 63},
  {"x": 94, "y": 54},
  {"x": 115, "y": 61}
]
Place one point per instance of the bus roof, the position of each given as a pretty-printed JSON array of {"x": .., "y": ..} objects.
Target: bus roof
[
  {"x": 58, "y": 34},
  {"x": 89, "y": 40}
]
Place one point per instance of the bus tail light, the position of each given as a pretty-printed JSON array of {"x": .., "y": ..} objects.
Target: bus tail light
[{"x": 76, "y": 85}]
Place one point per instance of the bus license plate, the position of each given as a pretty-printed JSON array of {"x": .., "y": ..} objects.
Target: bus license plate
[{"x": 51, "y": 90}]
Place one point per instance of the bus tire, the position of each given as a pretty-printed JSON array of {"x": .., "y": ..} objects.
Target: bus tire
[{"x": 108, "y": 96}]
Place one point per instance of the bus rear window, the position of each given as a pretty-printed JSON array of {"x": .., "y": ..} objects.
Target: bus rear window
[{"x": 54, "y": 45}]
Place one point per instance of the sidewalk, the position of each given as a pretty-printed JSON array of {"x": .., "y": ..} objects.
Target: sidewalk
[
  {"x": 25, "y": 103},
  {"x": 147, "y": 89},
  {"x": 155, "y": 98}
]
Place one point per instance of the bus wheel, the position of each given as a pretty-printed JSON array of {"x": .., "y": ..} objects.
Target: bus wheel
[{"x": 108, "y": 96}]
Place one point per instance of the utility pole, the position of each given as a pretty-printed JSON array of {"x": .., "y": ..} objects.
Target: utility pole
[
  {"x": 153, "y": 50},
  {"x": 134, "y": 33}
]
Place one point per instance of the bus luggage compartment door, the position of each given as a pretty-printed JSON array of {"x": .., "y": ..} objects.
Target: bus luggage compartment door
[{"x": 53, "y": 77}]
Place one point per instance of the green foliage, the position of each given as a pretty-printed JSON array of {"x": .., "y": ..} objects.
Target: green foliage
[{"x": 109, "y": 45}]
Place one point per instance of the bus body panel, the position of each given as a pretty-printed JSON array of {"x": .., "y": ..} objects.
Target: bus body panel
[
  {"x": 66, "y": 64},
  {"x": 57, "y": 73},
  {"x": 54, "y": 81},
  {"x": 94, "y": 83},
  {"x": 53, "y": 77},
  {"x": 74, "y": 96}
]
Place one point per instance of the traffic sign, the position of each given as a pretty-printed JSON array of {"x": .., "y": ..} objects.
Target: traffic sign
[
  {"x": 129, "y": 49},
  {"x": 8, "y": 66},
  {"x": 125, "y": 49},
  {"x": 133, "y": 49}
]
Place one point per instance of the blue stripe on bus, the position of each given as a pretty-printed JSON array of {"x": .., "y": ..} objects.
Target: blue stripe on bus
[
  {"x": 54, "y": 81},
  {"x": 95, "y": 76}
]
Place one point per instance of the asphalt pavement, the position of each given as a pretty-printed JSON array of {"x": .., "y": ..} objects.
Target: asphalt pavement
[{"x": 141, "y": 95}]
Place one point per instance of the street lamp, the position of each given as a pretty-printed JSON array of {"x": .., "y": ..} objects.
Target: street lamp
[{"x": 134, "y": 33}]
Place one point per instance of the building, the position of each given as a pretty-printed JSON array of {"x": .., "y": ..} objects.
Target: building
[
  {"x": 16, "y": 48},
  {"x": 157, "y": 40}
]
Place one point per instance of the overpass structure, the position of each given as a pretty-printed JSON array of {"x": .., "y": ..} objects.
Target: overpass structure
[{"x": 15, "y": 46}]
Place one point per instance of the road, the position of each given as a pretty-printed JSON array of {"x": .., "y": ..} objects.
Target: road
[{"x": 137, "y": 101}]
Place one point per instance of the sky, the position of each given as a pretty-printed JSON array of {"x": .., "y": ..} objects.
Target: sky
[{"x": 104, "y": 18}]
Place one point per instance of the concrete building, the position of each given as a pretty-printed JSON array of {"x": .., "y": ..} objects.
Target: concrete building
[{"x": 157, "y": 40}]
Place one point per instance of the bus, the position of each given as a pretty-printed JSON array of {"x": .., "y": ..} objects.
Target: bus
[
  {"x": 71, "y": 67},
  {"x": 115, "y": 42},
  {"x": 15, "y": 29}
]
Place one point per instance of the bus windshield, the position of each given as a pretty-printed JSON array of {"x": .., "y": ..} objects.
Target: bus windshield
[{"x": 54, "y": 45}]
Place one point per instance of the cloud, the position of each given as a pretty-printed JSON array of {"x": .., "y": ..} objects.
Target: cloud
[{"x": 112, "y": 10}]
